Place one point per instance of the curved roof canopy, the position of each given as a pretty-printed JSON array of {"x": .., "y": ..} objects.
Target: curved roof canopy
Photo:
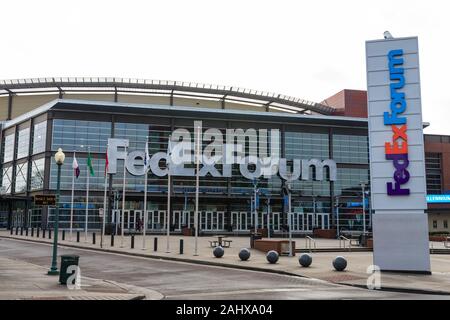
[{"x": 163, "y": 87}]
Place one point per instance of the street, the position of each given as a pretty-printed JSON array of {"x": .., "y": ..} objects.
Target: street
[{"x": 176, "y": 280}]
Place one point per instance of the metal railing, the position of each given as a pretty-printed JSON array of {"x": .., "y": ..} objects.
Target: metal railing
[
  {"x": 344, "y": 240},
  {"x": 309, "y": 242}
]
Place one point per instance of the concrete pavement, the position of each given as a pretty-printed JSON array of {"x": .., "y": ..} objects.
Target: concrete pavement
[
  {"x": 181, "y": 281},
  {"x": 21, "y": 280},
  {"x": 355, "y": 274}
]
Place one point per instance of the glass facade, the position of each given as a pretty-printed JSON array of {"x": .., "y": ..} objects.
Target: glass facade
[
  {"x": 350, "y": 149},
  {"x": 80, "y": 135},
  {"x": 434, "y": 173},
  {"x": 7, "y": 179},
  {"x": 21, "y": 177},
  {"x": 39, "y": 137},
  {"x": 23, "y": 143},
  {"x": 37, "y": 174},
  {"x": 226, "y": 203},
  {"x": 8, "y": 147}
]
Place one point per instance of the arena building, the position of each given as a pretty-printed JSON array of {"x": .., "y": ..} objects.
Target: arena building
[{"x": 80, "y": 115}]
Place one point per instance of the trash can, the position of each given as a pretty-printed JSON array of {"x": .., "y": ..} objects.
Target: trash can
[
  {"x": 66, "y": 262},
  {"x": 253, "y": 237}
]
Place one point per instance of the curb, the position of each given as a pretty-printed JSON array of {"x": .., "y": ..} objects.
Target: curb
[{"x": 232, "y": 266}]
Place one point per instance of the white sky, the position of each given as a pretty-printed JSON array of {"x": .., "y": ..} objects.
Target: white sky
[{"x": 307, "y": 49}]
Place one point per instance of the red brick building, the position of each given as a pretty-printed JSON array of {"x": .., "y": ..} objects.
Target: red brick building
[{"x": 353, "y": 103}]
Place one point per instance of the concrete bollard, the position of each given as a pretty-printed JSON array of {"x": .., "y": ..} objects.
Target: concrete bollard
[
  {"x": 93, "y": 238},
  {"x": 305, "y": 260},
  {"x": 132, "y": 241},
  {"x": 63, "y": 235},
  {"x": 181, "y": 246},
  {"x": 218, "y": 252},
  {"x": 244, "y": 254},
  {"x": 112, "y": 240},
  {"x": 340, "y": 263},
  {"x": 272, "y": 256},
  {"x": 155, "y": 244},
  {"x": 78, "y": 236}
]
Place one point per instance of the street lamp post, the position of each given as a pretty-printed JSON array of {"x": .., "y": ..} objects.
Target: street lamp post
[
  {"x": 337, "y": 216},
  {"x": 59, "y": 159},
  {"x": 363, "y": 185}
]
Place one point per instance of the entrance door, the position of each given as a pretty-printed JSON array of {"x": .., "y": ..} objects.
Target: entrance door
[
  {"x": 322, "y": 220},
  {"x": 177, "y": 220},
  {"x": 239, "y": 221},
  {"x": 309, "y": 223},
  {"x": 297, "y": 221}
]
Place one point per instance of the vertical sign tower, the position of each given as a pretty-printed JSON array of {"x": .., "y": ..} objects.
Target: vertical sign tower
[{"x": 397, "y": 166}]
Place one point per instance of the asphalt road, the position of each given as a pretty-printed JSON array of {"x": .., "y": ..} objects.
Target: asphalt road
[{"x": 177, "y": 280}]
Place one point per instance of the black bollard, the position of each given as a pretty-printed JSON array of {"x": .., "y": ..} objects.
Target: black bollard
[
  {"x": 32, "y": 231},
  {"x": 11, "y": 229},
  {"x": 17, "y": 231},
  {"x": 155, "y": 244},
  {"x": 37, "y": 232},
  {"x": 132, "y": 242},
  {"x": 181, "y": 246},
  {"x": 93, "y": 238},
  {"x": 21, "y": 231},
  {"x": 78, "y": 236},
  {"x": 112, "y": 240},
  {"x": 26, "y": 232},
  {"x": 43, "y": 233},
  {"x": 64, "y": 235},
  {"x": 49, "y": 233}
]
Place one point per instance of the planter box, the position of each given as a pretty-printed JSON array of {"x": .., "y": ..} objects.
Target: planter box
[
  {"x": 280, "y": 246},
  {"x": 438, "y": 238},
  {"x": 370, "y": 243},
  {"x": 325, "y": 233},
  {"x": 187, "y": 231}
]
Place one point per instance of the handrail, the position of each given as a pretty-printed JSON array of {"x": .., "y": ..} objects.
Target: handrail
[
  {"x": 344, "y": 240},
  {"x": 308, "y": 240}
]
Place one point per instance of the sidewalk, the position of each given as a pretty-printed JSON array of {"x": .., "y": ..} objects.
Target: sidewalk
[
  {"x": 25, "y": 281},
  {"x": 321, "y": 268}
]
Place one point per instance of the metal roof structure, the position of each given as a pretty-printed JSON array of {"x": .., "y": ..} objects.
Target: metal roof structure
[{"x": 114, "y": 86}]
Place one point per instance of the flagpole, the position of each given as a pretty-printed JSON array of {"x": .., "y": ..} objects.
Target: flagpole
[
  {"x": 168, "y": 195},
  {"x": 71, "y": 202},
  {"x": 104, "y": 198},
  {"x": 146, "y": 164},
  {"x": 87, "y": 205},
  {"x": 123, "y": 199},
  {"x": 197, "y": 190}
]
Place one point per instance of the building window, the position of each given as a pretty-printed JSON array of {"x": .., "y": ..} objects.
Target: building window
[
  {"x": 306, "y": 145},
  {"x": 445, "y": 224},
  {"x": 6, "y": 180},
  {"x": 21, "y": 177},
  {"x": 350, "y": 148},
  {"x": 39, "y": 136},
  {"x": 78, "y": 135},
  {"x": 434, "y": 173},
  {"x": 37, "y": 174},
  {"x": 23, "y": 143},
  {"x": 434, "y": 224},
  {"x": 8, "y": 148}
]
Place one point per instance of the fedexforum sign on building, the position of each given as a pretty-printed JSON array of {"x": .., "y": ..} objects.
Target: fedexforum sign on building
[{"x": 253, "y": 143}]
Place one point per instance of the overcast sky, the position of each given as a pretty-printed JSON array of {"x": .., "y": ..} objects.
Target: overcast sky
[{"x": 307, "y": 49}]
